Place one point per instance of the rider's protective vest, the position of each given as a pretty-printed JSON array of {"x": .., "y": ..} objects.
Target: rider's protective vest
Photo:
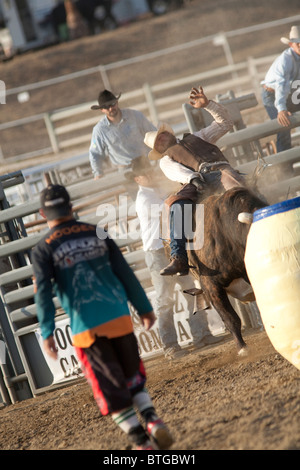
[{"x": 191, "y": 151}]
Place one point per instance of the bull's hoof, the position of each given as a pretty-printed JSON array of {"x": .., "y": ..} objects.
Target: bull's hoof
[{"x": 243, "y": 351}]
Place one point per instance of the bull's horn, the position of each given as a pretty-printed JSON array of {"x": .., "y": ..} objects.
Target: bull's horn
[{"x": 245, "y": 217}]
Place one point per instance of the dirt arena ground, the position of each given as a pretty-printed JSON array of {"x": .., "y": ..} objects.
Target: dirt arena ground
[{"x": 211, "y": 399}]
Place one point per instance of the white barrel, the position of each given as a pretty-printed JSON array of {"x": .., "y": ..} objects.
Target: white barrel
[{"x": 272, "y": 260}]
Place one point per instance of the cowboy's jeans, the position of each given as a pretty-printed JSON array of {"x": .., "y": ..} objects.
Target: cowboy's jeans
[
  {"x": 283, "y": 137},
  {"x": 180, "y": 226},
  {"x": 165, "y": 299}
]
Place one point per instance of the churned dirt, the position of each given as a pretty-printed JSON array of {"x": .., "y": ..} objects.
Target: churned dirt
[{"x": 211, "y": 399}]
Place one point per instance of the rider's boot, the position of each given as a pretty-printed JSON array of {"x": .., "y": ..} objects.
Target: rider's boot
[
  {"x": 178, "y": 265},
  {"x": 178, "y": 239}
]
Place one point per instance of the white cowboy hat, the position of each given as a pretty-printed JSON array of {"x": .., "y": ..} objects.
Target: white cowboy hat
[
  {"x": 150, "y": 138},
  {"x": 294, "y": 35}
]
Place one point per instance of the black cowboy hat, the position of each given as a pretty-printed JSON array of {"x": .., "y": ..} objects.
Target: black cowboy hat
[{"x": 105, "y": 98}]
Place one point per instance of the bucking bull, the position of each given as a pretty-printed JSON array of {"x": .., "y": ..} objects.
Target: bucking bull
[{"x": 219, "y": 264}]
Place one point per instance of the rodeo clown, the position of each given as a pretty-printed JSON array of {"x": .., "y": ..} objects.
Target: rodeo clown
[{"x": 94, "y": 284}]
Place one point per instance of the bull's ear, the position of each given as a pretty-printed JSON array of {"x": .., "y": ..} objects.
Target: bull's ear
[{"x": 245, "y": 217}]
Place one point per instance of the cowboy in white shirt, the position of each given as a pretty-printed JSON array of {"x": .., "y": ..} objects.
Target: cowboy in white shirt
[
  {"x": 195, "y": 162},
  {"x": 154, "y": 187}
]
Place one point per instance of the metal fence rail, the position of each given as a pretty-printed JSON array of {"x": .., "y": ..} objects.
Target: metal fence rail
[
  {"x": 63, "y": 134},
  {"x": 55, "y": 135},
  {"x": 103, "y": 69}
]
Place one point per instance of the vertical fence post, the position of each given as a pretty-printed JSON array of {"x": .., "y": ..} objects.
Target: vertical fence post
[
  {"x": 51, "y": 132},
  {"x": 2, "y": 92},
  {"x": 104, "y": 77},
  {"x": 151, "y": 103},
  {"x": 253, "y": 72}
]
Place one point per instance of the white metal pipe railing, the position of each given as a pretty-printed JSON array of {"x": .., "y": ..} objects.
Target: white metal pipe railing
[
  {"x": 158, "y": 108},
  {"x": 102, "y": 69},
  {"x": 255, "y": 132}
]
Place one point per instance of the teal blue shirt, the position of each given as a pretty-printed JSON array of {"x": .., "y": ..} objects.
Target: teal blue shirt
[{"x": 89, "y": 275}]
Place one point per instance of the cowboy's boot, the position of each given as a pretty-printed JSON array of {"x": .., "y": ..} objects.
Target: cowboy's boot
[{"x": 179, "y": 265}]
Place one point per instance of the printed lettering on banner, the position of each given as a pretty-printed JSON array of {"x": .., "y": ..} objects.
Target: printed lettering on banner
[{"x": 66, "y": 367}]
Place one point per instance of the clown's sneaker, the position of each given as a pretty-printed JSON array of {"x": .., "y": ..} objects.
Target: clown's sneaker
[
  {"x": 160, "y": 433},
  {"x": 147, "y": 445}
]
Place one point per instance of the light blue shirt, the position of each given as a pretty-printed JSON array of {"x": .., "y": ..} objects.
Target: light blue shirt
[
  {"x": 121, "y": 142},
  {"x": 280, "y": 76}
]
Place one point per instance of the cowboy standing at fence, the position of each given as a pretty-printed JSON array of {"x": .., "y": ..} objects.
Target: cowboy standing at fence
[
  {"x": 279, "y": 94},
  {"x": 94, "y": 284},
  {"x": 118, "y": 136}
]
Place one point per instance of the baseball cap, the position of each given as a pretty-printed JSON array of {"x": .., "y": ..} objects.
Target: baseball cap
[{"x": 55, "y": 201}]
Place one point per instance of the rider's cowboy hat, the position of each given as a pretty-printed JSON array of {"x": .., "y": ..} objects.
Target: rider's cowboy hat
[
  {"x": 294, "y": 35},
  {"x": 151, "y": 137},
  {"x": 105, "y": 98}
]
